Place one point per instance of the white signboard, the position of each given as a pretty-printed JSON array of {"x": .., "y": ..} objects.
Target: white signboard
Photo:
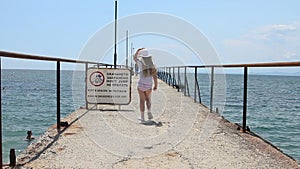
[{"x": 108, "y": 86}]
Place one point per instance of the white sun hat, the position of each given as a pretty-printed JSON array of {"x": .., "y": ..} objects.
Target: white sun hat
[
  {"x": 146, "y": 58},
  {"x": 144, "y": 53}
]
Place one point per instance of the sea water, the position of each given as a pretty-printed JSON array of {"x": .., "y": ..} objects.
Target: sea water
[
  {"x": 29, "y": 103},
  {"x": 273, "y": 110}
]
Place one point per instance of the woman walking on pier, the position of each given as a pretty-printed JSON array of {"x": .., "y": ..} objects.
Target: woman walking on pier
[{"x": 148, "y": 74}]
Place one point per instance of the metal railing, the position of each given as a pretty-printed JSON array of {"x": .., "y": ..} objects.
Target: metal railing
[
  {"x": 167, "y": 74},
  {"x": 58, "y": 73}
]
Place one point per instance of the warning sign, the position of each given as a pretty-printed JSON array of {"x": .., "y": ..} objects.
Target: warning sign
[{"x": 108, "y": 86}]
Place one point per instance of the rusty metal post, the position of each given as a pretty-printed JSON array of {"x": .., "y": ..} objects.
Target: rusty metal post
[
  {"x": 170, "y": 77},
  {"x": 198, "y": 88},
  {"x": 173, "y": 79},
  {"x": 58, "y": 94},
  {"x": 245, "y": 99},
  {"x": 115, "y": 47},
  {"x": 195, "y": 93},
  {"x": 1, "y": 162},
  {"x": 12, "y": 158},
  {"x": 127, "y": 49},
  {"x": 185, "y": 82},
  {"x": 212, "y": 89},
  {"x": 86, "y": 80},
  {"x": 178, "y": 79}
]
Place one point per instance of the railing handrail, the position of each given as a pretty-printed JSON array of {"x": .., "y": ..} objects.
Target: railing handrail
[
  {"x": 245, "y": 74},
  {"x": 45, "y": 58},
  {"x": 264, "y": 64}
]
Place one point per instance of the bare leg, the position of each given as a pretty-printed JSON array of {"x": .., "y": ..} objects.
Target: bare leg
[
  {"x": 148, "y": 103},
  {"x": 142, "y": 103},
  {"x": 148, "y": 99}
]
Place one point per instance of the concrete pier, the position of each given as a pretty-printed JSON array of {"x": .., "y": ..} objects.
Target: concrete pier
[{"x": 182, "y": 135}]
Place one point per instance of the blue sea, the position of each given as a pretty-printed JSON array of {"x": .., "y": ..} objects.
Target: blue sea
[{"x": 29, "y": 103}]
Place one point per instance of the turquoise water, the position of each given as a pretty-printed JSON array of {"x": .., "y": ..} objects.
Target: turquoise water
[
  {"x": 29, "y": 103},
  {"x": 274, "y": 111}
]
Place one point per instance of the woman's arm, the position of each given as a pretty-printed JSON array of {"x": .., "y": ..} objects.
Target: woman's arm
[
  {"x": 155, "y": 80},
  {"x": 136, "y": 54}
]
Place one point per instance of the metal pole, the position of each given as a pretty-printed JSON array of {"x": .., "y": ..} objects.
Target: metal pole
[
  {"x": 195, "y": 85},
  {"x": 198, "y": 88},
  {"x": 12, "y": 157},
  {"x": 1, "y": 162},
  {"x": 86, "y": 80},
  {"x": 245, "y": 98},
  {"x": 185, "y": 81},
  {"x": 115, "y": 54},
  {"x": 173, "y": 79},
  {"x": 212, "y": 88},
  {"x": 166, "y": 75},
  {"x": 58, "y": 94},
  {"x": 178, "y": 79},
  {"x": 131, "y": 54},
  {"x": 169, "y": 76},
  {"x": 127, "y": 49}
]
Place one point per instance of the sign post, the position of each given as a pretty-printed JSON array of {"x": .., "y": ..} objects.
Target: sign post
[{"x": 116, "y": 17}]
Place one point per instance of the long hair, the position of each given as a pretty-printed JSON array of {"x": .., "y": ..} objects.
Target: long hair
[
  {"x": 149, "y": 72},
  {"x": 148, "y": 66}
]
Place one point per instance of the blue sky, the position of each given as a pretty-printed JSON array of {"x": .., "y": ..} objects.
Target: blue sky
[{"x": 240, "y": 31}]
